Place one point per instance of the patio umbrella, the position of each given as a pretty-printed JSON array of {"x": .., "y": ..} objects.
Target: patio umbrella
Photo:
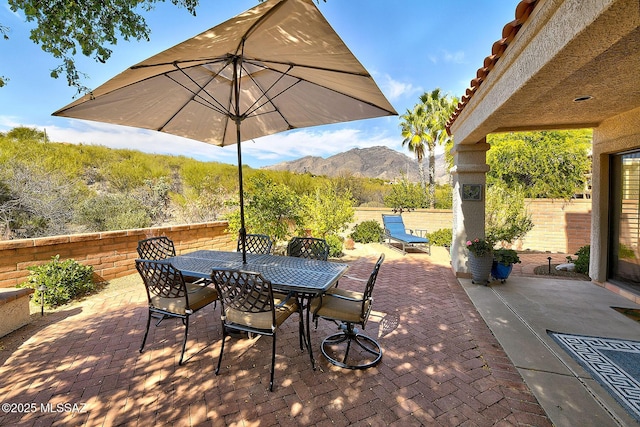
[{"x": 275, "y": 67}]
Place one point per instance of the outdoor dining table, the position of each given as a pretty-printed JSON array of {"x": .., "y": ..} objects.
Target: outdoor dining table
[{"x": 306, "y": 278}]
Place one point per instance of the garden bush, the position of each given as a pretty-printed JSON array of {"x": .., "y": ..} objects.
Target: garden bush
[
  {"x": 441, "y": 237},
  {"x": 335, "y": 245},
  {"x": 65, "y": 280},
  {"x": 582, "y": 262},
  {"x": 367, "y": 232}
]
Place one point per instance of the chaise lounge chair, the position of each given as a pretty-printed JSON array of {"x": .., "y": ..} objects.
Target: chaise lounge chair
[{"x": 395, "y": 232}]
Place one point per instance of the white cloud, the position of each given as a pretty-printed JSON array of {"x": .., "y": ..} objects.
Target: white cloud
[
  {"x": 455, "y": 57},
  {"x": 395, "y": 89},
  {"x": 445, "y": 56}
]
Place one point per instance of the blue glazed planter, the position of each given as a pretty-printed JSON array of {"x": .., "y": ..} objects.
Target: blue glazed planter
[{"x": 500, "y": 271}]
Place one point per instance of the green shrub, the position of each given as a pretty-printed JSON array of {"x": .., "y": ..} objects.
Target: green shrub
[
  {"x": 441, "y": 237},
  {"x": 335, "y": 245},
  {"x": 65, "y": 280},
  {"x": 582, "y": 262},
  {"x": 506, "y": 256},
  {"x": 625, "y": 252},
  {"x": 367, "y": 232}
]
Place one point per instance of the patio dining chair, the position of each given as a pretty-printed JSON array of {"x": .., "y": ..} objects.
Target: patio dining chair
[
  {"x": 349, "y": 308},
  {"x": 308, "y": 247},
  {"x": 170, "y": 296},
  {"x": 159, "y": 248},
  {"x": 256, "y": 244},
  {"x": 156, "y": 248},
  {"x": 248, "y": 305}
]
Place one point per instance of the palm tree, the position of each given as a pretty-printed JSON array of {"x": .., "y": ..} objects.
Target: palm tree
[
  {"x": 424, "y": 128},
  {"x": 414, "y": 132}
]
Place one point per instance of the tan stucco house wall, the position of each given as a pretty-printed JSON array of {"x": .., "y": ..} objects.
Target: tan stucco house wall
[{"x": 561, "y": 64}]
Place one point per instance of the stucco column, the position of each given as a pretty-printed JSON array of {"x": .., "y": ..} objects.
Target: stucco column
[{"x": 469, "y": 191}]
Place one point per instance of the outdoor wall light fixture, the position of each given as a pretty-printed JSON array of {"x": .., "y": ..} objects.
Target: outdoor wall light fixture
[
  {"x": 42, "y": 289},
  {"x": 583, "y": 98}
]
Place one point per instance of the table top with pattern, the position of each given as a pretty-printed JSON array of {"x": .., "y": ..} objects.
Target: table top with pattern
[{"x": 285, "y": 273}]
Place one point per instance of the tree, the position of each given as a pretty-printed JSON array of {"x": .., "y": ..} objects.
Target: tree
[
  {"x": 3, "y": 33},
  {"x": 548, "y": 164},
  {"x": 22, "y": 134},
  {"x": 423, "y": 129},
  {"x": 405, "y": 195},
  {"x": 328, "y": 210},
  {"x": 438, "y": 110},
  {"x": 269, "y": 208},
  {"x": 507, "y": 218},
  {"x": 66, "y": 28},
  {"x": 414, "y": 131},
  {"x": 35, "y": 202}
]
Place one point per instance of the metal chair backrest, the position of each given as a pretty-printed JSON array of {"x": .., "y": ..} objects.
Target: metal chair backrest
[
  {"x": 308, "y": 247},
  {"x": 244, "y": 291},
  {"x": 156, "y": 248},
  {"x": 367, "y": 300},
  {"x": 162, "y": 280},
  {"x": 256, "y": 244}
]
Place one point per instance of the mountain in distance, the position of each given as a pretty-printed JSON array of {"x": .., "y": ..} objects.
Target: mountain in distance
[{"x": 374, "y": 162}]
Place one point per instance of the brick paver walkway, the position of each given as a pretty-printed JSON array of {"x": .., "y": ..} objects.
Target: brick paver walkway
[{"x": 441, "y": 365}]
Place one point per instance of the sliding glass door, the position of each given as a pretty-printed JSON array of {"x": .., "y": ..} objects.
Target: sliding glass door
[{"x": 624, "y": 254}]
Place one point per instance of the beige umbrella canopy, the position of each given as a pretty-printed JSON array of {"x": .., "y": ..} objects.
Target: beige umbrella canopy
[{"x": 275, "y": 67}]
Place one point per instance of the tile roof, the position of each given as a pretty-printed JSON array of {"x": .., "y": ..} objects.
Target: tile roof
[{"x": 522, "y": 14}]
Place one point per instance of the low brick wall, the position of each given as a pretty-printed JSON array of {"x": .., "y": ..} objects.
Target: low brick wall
[{"x": 111, "y": 254}]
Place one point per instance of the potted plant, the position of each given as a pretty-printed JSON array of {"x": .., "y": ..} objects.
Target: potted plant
[
  {"x": 503, "y": 260},
  {"x": 480, "y": 260}
]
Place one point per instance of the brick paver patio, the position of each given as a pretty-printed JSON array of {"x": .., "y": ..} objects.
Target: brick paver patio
[{"x": 441, "y": 365}]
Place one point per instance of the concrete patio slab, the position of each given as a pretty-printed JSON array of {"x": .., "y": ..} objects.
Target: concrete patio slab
[{"x": 522, "y": 310}]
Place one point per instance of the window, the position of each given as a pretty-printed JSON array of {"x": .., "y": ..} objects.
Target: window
[{"x": 624, "y": 255}]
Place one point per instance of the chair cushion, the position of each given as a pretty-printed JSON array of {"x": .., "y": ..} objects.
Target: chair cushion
[
  {"x": 340, "y": 309},
  {"x": 408, "y": 238},
  {"x": 262, "y": 320},
  {"x": 395, "y": 226},
  {"x": 199, "y": 296}
]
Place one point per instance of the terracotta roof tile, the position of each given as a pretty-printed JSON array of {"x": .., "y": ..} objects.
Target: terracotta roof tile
[{"x": 523, "y": 11}]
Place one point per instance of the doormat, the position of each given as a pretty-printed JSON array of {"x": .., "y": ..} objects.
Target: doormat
[
  {"x": 631, "y": 313},
  {"x": 614, "y": 363}
]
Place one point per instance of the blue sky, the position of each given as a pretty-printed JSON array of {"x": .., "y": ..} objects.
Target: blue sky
[{"x": 408, "y": 46}]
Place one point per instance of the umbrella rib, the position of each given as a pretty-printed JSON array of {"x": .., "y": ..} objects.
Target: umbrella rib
[
  {"x": 299, "y": 80},
  {"x": 216, "y": 105},
  {"x": 311, "y": 67},
  {"x": 195, "y": 98},
  {"x": 269, "y": 99}
]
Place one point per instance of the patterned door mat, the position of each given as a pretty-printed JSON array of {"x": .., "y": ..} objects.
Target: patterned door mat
[{"x": 614, "y": 363}]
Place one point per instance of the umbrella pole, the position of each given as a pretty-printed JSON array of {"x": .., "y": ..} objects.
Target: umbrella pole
[
  {"x": 243, "y": 231},
  {"x": 238, "y": 119}
]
